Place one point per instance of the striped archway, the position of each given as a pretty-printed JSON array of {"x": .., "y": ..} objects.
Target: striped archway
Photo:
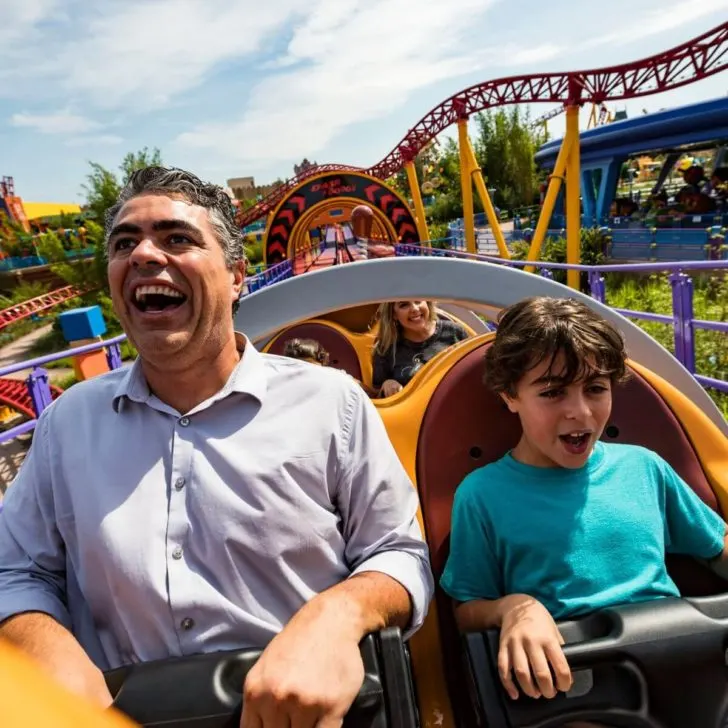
[{"x": 295, "y": 209}]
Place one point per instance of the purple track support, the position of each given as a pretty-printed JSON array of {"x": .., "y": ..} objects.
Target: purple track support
[
  {"x": 597, "y": 286},
  {"x": 682, "y": 319},
  {"x": 677, "y": 316},
  {"x": 40, "y": 392},
  {"x": 113, "y": 356},
  {"x": 687, "y": 322}
]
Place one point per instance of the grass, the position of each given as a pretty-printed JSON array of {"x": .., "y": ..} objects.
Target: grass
[{"x": 710, "y": 302}]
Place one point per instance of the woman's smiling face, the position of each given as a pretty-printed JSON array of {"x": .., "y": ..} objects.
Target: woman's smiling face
[{"x": 413, "y": 316}]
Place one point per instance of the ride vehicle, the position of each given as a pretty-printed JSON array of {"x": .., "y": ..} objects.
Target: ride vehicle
[{"x": 655, "y": 665}]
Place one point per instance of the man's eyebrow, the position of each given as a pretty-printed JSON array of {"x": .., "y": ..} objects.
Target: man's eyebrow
[
  {"x": 158, "y": 226},
  {"x": 175, "y": 224},
  {"x": 125, "y": 227}
]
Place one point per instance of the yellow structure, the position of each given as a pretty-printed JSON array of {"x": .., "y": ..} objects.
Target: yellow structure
[
  {"x": 565, "y": 170},
  {"x": 37, "y": 210},
  {"x": 30, "y": 698}
]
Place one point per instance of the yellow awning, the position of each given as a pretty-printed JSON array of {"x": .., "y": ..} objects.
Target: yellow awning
[{"x": 35, "y": 210}]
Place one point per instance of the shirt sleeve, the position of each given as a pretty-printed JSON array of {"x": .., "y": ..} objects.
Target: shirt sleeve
[
  {"x": 379, "y": 508},
  {"x": 382, "y": 369},
  {"x": 32, "y": 552},
  {"x": 472, "y": 570},
  {"x": 691, "y": 527}
]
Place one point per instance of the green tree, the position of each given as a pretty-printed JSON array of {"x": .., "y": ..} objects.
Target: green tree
[
  {"x": 103, "y": 186},
  {"x": 505, "y": 145}
]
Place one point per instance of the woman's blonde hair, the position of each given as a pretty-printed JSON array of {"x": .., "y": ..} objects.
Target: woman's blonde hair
[{"x": 389, "y": 328}]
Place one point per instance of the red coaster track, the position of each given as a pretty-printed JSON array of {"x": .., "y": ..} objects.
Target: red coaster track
[
  {"x": 699, "y": 58},
  {"x": 14, "y": 393},
  {"x": 34, "y": 305}
]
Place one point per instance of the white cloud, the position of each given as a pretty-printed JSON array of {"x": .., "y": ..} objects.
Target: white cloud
[
  {"x": 341, "y": 72},
  {"x": 667, "y": 17},
  {"x": 62, "y": 122},
  {"x": 18, "y": 19},
  {"x": 96, "y": 140},
  {"x": 144, "y": 52}
]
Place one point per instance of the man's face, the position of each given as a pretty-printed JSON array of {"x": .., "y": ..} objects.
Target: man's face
[
  {"x": 171, "y": 287},
  {"x": 561, "y": 423}
]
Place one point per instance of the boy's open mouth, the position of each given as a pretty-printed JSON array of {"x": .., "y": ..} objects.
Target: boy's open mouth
[
  {"x": 576, "y": 442},
  {"x": 151, "y": 299}
]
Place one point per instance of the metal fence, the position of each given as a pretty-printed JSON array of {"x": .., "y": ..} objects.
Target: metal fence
[{"x": 682, "y": 320}]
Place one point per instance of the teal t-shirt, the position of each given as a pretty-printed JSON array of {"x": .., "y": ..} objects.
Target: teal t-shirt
[{"x": 576, "y": 540}]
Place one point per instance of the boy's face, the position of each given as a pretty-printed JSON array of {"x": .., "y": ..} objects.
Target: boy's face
[{"x": 561, "y": 423}]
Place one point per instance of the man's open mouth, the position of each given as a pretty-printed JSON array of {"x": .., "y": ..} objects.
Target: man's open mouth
[{"x": 151, "y": 299}]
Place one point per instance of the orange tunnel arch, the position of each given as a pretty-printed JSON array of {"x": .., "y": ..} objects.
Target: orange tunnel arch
[{"x": 345, "y": 190}]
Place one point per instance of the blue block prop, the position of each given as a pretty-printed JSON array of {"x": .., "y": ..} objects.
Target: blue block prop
[{"x": 82, "y": 323}]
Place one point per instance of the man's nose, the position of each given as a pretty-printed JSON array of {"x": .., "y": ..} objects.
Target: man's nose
[{"x": 146, "y": 253}]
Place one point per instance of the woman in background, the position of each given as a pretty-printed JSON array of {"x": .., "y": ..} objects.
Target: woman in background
[{"x": 410, "y": 334}]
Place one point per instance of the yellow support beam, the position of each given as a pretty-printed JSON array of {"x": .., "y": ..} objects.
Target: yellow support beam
[
  {"x": 466, "y": 182},
  {"x": 414, "y": 185},
  {"x": 477, "y": 176},
  {"x": 549, "y": 202},
  {"x": 573, "y": 198}
]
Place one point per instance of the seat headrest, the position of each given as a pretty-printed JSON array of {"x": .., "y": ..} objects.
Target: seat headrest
[{"x": 342, "y": 354}]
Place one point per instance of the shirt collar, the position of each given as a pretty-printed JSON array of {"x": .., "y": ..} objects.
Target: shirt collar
[{"x": 248, "y": 377}]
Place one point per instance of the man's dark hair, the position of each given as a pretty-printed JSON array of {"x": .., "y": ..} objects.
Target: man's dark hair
[
  {"x": 215, "y": 199},
  {"x": 306, "y": 349},
  {"x": 538, "y": 329}
]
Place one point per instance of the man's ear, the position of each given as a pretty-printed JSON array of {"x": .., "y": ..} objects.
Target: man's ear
[
  {"x": 511, "y": 402},
  {"x": 238, "y": 278}
]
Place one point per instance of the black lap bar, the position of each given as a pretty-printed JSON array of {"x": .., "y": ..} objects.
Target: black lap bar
[
  {"x": 659, "y": 664},
  {"x": 205, "y": 691}
]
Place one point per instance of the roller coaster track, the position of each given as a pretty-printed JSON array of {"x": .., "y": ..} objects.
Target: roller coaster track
[
  {"x": 692, "y": 61},
  {"x": 14, "y": 393},
  {"x": 34, "y": 305}
]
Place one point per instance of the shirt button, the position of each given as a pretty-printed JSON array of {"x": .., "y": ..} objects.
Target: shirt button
[
  {"x": 187, "y": 623},
  {"x": 184, "y": 421},
  {"x": 179, "y": 483},
  {"x": 177, "y": 553}
]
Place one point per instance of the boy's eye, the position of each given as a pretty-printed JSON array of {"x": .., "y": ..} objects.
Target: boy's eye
[
  {"x": 551, "y": 393},
  {"x": 596, "y": 389}
]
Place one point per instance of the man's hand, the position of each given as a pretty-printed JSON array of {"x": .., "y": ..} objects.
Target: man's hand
[
  {"x": 530, "y": 647},
  {"x": 58, "y": 652},
  {"x": 303, "y": 679},
  {"x": 310, "y": 673}
]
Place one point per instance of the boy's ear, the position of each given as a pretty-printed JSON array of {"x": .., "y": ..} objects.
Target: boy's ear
[{"x": 511, "y": 402}]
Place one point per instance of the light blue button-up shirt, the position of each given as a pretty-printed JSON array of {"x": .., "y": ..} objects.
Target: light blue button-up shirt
[{"x": 149, "y": 534}]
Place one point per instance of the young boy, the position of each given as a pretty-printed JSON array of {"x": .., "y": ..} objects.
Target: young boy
[{"x": 564, "y": 524}]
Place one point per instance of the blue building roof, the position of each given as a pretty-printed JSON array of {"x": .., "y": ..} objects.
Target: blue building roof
[{"x": 683, "y": 127}]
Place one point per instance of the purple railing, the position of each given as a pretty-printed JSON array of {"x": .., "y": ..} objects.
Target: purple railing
[
  {"x": 682, "y": 320},
  {"x": 37, "y": 381}
]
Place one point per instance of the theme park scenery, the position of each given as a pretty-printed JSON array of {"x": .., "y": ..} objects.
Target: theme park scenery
[{"x": 398, "y": 275}]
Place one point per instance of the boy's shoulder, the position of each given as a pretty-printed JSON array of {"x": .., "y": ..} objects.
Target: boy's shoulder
[
  {"x": 617, "y": 453},
  {"x": 484, "y": 478}
]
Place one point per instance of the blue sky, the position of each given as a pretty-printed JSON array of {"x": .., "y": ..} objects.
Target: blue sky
[{"x": 235, "y": 87}]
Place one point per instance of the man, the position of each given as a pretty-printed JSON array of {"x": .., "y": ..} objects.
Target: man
[{"x": 209, "y": 497}]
